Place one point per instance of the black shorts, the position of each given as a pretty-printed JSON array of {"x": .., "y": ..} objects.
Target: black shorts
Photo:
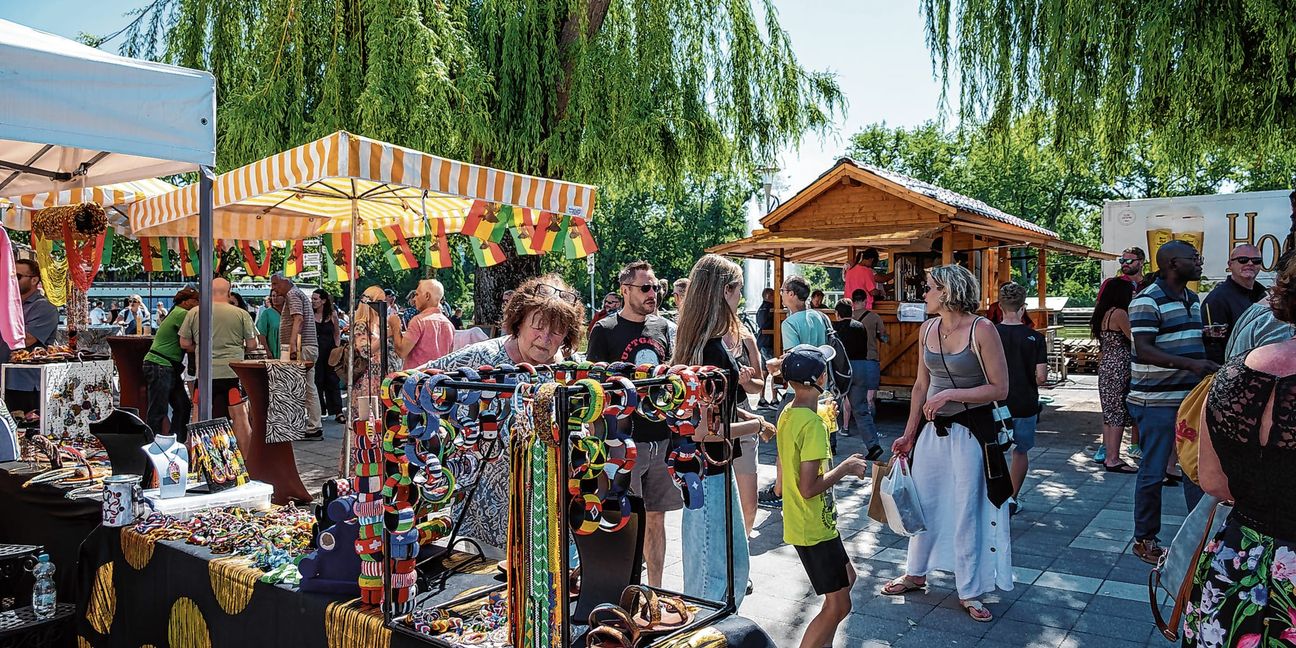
[{"x": 827, "y": 565}]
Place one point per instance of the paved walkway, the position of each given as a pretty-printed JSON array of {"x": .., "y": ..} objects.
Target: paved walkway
[{"x": 1076, "y": 582}]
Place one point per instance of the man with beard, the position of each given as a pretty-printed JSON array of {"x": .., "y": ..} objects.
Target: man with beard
[
  {"x": 1169, "y": 361},
  {"x": 1131, "y": 265},
  {"x": 638, "y": 335},
  {"x": 1230, "y": 298}
]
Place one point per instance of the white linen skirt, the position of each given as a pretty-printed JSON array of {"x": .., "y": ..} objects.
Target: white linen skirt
[{"x": 966, "y": 534}]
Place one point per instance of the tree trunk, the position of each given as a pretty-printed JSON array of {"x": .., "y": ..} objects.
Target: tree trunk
[{"x": 490, "y": 283}]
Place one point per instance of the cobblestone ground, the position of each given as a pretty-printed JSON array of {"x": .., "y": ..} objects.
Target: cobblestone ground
[{"x": 1076, "y": 582}]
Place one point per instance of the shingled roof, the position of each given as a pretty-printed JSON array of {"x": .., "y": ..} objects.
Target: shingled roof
[{"x": 951, "y": 198}]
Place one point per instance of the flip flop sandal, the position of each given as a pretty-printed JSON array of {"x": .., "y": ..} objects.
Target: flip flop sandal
[
  {"x": 977, "y": 611},
  {"x": 655, "y": 614},
  {"x": 902, "y": 585},
  {"x": 611, "y": 627},
  {"x": 1121, "y": 467}
]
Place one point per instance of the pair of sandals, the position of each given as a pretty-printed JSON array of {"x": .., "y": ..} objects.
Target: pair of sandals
[
  {"x": 643, "y": 613},
  {"x": 904, "y": 584}
]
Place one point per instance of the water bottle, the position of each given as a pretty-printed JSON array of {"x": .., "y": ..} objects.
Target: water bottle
[{"x": 44, "y": 595}]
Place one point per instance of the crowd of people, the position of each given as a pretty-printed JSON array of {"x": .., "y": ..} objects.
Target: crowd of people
[{"x": 977, "y": 377}]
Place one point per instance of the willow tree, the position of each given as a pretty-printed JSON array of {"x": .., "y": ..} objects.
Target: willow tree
[
  {"x": 619, "y": 93},
  {"x": 1196, "y": 77}
]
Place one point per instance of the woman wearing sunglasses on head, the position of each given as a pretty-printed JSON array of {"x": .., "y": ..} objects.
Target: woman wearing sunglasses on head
[
  {"x": 1230, "y": 298},
  {"x": 542, "y": 317}
]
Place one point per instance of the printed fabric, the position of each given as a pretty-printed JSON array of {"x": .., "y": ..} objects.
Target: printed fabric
[
  {"x": 286, "y": 411},
  {"x": 1244, "y": 592}
]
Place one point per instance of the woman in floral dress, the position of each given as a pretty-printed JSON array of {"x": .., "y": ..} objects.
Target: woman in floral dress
[
  {"x": 365, "y": 332},
  {"x": 1110, "y": 324},
  {"x": 1244, "y": 588}
]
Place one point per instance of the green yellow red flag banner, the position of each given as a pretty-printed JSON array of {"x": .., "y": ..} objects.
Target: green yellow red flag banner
[
  {"x": 579, "y": 242},
  {"x": 395, "y": 248},
  {"x": 337, "y": 247},
  {"x": 254, "y": 267},
  {"x": 296, "y": 259},
  {"x": 486, "y": 253}
]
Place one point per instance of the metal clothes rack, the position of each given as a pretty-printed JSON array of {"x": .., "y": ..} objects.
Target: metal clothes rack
[{"x": 562, "y": 398}]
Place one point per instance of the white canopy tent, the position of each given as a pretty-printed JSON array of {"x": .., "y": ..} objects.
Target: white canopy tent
[{"x": 73, "y": 117}]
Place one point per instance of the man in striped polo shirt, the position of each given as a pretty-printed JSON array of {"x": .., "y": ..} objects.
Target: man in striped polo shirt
[{"x": 1169, "y": 360}]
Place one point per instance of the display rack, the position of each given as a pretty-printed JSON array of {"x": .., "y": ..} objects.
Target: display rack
[{"x": 436, "y": 566}]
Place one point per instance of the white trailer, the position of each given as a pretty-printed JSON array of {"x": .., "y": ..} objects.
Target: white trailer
[{"x": 1213, "y": 224}]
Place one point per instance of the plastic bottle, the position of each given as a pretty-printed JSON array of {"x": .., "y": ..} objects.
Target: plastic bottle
[{"x": 44, "y": 596}]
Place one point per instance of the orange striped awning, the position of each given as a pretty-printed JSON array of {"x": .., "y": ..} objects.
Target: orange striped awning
[
  {"x": 17, "y": 210},
  {"x": 316, "y": 188}
]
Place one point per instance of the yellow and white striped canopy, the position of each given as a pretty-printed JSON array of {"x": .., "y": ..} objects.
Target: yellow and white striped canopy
[
  {"x": 315, "y": 188},
  {"x": 17, "y": 210}
]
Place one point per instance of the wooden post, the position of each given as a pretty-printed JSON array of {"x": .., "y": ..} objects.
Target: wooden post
[
  {"x": 947, "y": 247},
  {"x": 778, "y": 304},
  {"x": 1042, "y": 280},
  {"x": 1005, "y": 264}
]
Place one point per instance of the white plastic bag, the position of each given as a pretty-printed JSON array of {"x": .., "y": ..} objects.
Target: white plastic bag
[{"x": 900, "y": 499}]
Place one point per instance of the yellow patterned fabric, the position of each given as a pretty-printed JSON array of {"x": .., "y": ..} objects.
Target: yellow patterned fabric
[
  {"x": 350, "y": 625},
  {"x": 186, "y": 628},
  {"x": 232, "y": 582},
  {"x": 102, "y": 605},
  {"x": 137, "y": 549},
  {"x": 54, "y": 272}
]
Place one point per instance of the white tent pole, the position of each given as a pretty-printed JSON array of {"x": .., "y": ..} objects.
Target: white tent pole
[
  {"x": 351, "y": 395},
  {"x": 205, "y": 177}
]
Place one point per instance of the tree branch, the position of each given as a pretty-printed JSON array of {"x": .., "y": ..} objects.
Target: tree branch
[{"x": 595, "y": 13}]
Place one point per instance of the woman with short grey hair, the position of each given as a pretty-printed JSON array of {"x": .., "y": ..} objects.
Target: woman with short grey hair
[{"x": 959, "y": 471}]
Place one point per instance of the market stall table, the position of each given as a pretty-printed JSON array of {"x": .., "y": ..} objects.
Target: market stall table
[
  {"x": 41, "y": 515},
  {"x": 142, "y": 592},
  {"x": 272, "y": 463},
  {"x": 72, "y": 394},
  {"x": 128, "y": 353}
]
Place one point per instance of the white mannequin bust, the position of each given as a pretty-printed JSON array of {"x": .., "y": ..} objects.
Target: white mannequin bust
[{"x": 171, "y": 464}]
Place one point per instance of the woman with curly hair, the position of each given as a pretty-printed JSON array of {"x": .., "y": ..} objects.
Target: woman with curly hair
[{"x": 1244, "y": 588}]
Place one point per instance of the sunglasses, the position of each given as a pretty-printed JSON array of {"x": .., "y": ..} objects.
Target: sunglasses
[
  {"x": 545, "y": 290},
  {"x": 1242, "y": 260},
  {"x": 1130, "y": 261},
  {"x": 645, "y": 288},
  {"x": 1195, "y": 258}
]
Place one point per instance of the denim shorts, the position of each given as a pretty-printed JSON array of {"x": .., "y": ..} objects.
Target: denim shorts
[
  {"x": 872, "y": 374},
  {"x": 1024, "y": 433}
]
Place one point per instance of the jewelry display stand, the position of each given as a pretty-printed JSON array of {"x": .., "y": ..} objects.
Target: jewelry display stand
[
  {"x": 609, "y": 561},
  {"x": 170, "y": 461}
]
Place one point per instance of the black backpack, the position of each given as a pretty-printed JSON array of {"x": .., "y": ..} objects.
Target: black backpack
[{"x": 839, "y": 368}]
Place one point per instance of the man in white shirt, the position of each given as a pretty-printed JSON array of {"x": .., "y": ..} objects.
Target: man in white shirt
[{"x": 97, "y": 314}]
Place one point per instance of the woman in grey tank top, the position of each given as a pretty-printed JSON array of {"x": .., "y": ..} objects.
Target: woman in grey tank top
[{"x": 962, "y": 368}]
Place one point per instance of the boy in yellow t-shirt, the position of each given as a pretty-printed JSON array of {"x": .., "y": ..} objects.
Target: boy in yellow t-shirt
[{"x": 809, "y": 515}]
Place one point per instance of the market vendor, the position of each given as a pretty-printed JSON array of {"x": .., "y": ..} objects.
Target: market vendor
[
  {"x": 41, "y": 318},
  {"x": 859, "y": 275},
  {"x": 542, "y": 316},
  {"x": 164, "y": 369}
]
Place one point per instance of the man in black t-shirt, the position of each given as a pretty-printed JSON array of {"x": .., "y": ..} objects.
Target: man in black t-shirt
[
  {"x": 1027, "y": 356},
  {"x": 855, "y": 338},
  {"x": 638, "y": 335}
]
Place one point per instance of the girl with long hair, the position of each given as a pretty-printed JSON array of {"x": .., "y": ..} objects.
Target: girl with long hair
[
  {"x": 329, "y": 334},
  {"x": 710, "y": 314},
  {"x": 1110, "y": 325}
]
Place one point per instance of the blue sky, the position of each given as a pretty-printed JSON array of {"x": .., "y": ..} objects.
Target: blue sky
[{"x": 876, "y": 48}]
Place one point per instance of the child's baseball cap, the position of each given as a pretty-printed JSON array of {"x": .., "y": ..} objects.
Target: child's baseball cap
[{"x": 806, "y": 363}]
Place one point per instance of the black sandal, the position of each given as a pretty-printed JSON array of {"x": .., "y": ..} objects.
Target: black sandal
[{"x": 1121, "y": 467}]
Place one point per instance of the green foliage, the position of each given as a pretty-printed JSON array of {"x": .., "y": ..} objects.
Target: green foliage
[
  {"x": 640, "y": 95},
  {"x": 1019, "y": 169},
  {"x": 1189, "y": 78},
  {"x": 670, "y": 228}
]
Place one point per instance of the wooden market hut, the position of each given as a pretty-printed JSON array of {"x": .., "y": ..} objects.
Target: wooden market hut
[{"x": 914, "y": 224}]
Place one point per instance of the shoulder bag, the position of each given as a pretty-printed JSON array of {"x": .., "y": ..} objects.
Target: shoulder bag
[
  {"x": 1174, "y": 572},
  {"x": 1003, "y": 432}
]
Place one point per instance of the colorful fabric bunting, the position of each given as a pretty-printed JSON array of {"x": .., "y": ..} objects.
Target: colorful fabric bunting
[
  {"x": 550, "y": 230},
  {"x": 481, "y": 221},
  {"x": 396, "y": 249},
  {"x": 337, "y": 251},
  {"x": 436, "y": 246},
  {"x": 189, "y": 257},
  {"x": 155, "y": 254},
  {"x": 579, "y": 242},
  {"x": 109, "y": 239},
  {"x": 293, "y": 265},
  {"x": 486, "y": 253},
  {"x": 523, "y": 231},
  {"x": 251, "y": 265}
]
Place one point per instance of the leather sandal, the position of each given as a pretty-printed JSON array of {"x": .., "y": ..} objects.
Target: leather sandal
[
  {"x": 655, "y": 614},
  {"x": 611, "y": 627},
  {"x": 977, "y": 610},
  {"x": 902, "y": 585}
]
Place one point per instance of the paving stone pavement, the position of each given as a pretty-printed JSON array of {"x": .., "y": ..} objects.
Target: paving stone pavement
[{"x": 1076, "y": 584}]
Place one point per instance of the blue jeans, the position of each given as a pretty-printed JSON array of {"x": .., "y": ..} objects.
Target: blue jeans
[
  {"x": 1156, "y": 437},
  {"x": 1192, "y": 493},
  {"x": 865, "y": 375},
  {"x": 704, "y": 545}
]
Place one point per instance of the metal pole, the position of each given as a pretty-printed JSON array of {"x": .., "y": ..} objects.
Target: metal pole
[
  {"x": 205, "y": 236},
  {"x": 351, "y": 395}
]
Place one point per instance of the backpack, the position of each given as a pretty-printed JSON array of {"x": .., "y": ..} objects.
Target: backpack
[{"x": 839, "y": 368}]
